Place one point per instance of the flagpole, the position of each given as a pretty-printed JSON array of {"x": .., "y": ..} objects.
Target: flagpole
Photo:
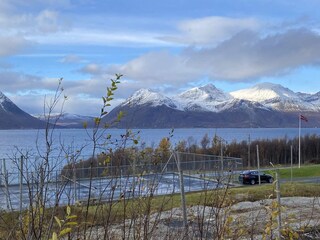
[{"x": 299, "y": 140}]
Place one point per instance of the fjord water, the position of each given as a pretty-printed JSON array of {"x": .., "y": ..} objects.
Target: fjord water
[{"x": 75, "y": 139}]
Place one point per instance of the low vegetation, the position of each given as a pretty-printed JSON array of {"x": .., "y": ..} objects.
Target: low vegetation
[
  {"x": 137, "y": 213},
  {"x": 69, "y": 220},
  {"x": 305, "y": 171}
]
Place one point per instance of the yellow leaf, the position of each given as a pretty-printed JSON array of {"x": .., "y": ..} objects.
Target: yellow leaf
[
  {"x": 65, "y": 231},
  {"x": 68, "y": 210},
  {"x": 97, "y": 121},
  {"x": 54, "y": 236},
  {"x": 71, "y": 223},
  {"x": 108, "y": 159},
  {"x": 71, "y": 217},
  {"x": 229, "y": 220},
  {"x": 274, "y": 214},
  {"x": 58, "y": 221},
  {"x": 268, "y": 230}
]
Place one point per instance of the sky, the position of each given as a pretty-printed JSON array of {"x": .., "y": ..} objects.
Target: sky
[{"x": 168, "y": 46}]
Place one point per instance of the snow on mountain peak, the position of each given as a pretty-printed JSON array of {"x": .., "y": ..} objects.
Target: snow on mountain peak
[
  {"x": 208, "y": 92},
  {"x": 264, "y": 92},
  {"x": 274, "y": 96},
  {"x": 147, "y": 96},
  {"x": 3, "y": 98},
  {"x": 209, "y": 98},
  {"x": 206, "y": 98},
  {"x": 210, "y": 89}
]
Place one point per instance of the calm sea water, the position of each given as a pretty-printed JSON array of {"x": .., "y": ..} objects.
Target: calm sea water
[{"x": 75, "y": 139}]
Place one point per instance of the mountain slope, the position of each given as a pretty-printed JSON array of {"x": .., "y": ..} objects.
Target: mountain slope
[
  {"x": 147, "y": 96},
  {"x": 12, "y": 117},
  {"x": 205, "y": 98},
  {"x": 68, "y": 120},
  {"x": 242, "y": 114},
  {"x": 275, "y": 96},
  {"x": 264, "y": 105},
  {"x": 313, "y": 99}
]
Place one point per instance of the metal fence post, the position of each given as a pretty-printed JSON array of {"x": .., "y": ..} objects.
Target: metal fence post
[
  {"x": 291, "y": 160},
  {"x": 74, "y": 180},
  {"x": 183, "y": 197},
  {"x": 279, "y": 202},
  {"x": 5, "y": 181},
  {"x": 21, "y": 182},
  {"x": 221, "y": 157},
  {"x": 258, "y": 163}
]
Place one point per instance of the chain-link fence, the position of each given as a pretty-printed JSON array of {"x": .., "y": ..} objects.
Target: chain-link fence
[{"x": 24, "y": 182}]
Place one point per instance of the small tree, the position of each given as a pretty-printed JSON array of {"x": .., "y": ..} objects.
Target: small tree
[
  {"x": 205, "y": 142},
  {"x": 163, "y": 149}
]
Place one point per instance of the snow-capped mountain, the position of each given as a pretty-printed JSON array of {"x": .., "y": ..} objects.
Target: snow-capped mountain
[
  {"x": 263, "y": 105},
  {"x": 12, "y": 117},
  {"x": 276, "y": 97},
  {"x": 66, "y": 119},
  {"x": 314, "y": 98},
  {"x": 147, "y": 96},
  {"x": 205, "y": 98},
  {"x": 3, "y": 100},
  {"x": 304, "y": 96},
  {"x": 209, "y": 98}
]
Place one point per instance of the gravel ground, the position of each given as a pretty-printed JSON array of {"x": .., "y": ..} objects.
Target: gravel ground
[{"x": 244, "y": 220}]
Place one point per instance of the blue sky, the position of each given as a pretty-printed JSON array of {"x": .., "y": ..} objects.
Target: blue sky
[{"x": 169, "y": 46}]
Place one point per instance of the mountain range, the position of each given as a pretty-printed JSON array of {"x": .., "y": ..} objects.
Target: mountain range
[
  {"x": 12, "y": 117},
  {"x": 67, "y": 120},
  {"x": 263, "y": 105}
]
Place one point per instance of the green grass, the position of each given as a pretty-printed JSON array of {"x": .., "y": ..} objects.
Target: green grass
[
  {"x": 304, "y": 171},
  {"x": 139, "y": 207},
  {"x": 255, "y": 193},
  {"x": 210, "y": 198}
]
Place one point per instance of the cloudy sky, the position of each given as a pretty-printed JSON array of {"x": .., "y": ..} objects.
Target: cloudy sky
[{"x": 166, "y": 45}]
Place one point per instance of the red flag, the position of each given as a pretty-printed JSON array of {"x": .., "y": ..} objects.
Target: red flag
[{"x": 303, "y": 118}]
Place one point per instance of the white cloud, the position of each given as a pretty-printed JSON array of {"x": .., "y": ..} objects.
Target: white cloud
[
  {"x": 17, "y": 29},
  {"x": 13, "y": 81},
  {"x": 248, "y": 56},
  {"x": 83, "y": 36},
  {"x": 243, "y": 57},
  {"x": 15, "y": 5},
  {"x": 13, "y": 44},
  {"x": 87, "y": 106},
  {"x": 71, "y": 58},
  {"x": 84, "y": 96},
  {"x": 211, "y": 30},
  {"x": 43, "y": 22},
  {"x": 50, "y": 22},
  {"x": 92, "y": 68},
  {"x": 158, "y": 68}
]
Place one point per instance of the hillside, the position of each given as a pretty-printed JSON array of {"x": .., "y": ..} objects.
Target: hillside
[
  {"x": 12, "y": 117},
  {"x": 264, "y": 105}
]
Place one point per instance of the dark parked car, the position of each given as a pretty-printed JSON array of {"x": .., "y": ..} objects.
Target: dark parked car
[{"x": 252, "y": 177}]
